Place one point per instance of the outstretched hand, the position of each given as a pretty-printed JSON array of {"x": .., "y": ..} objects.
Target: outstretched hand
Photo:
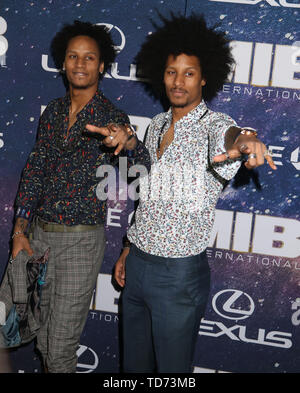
[
  {"x": 116, "y": 135},
  {"x": 253, "y": 147}
]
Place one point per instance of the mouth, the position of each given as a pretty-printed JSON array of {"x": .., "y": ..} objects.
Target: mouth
[
  {"x": 79, "y": 74},
  {"x": 178, "y": 93}
]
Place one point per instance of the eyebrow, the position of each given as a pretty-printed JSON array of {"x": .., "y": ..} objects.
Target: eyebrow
[
  {"x": 187, "y": 68},
  {"x": 88, "y": 52}
]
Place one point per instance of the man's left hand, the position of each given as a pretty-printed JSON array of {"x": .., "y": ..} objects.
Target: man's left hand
[
  {"x": 253, "y": 147},
  {"x": 115, "y": 136}
]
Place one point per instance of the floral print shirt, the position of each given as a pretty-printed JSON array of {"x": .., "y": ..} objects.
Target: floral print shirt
[
  {"x": 59, "y": 181},
  {"x": 177, "y": 203}
]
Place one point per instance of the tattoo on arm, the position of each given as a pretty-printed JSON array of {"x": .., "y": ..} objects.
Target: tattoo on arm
[{"x": 21, "y": 224}]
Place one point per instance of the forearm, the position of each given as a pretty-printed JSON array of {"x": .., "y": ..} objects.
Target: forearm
[
  {"x": 21, "y": 226},
  {"x": 31, "y": 185}
]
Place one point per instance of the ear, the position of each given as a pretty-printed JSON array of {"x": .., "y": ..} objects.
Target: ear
[
  {"x": 101, "y": 67},
  {"x": 63, "y": 67},
  {"x": 203, "y": 82}
]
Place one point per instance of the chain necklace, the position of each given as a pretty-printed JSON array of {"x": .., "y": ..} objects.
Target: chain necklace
[{"x": 159, "y": 144}]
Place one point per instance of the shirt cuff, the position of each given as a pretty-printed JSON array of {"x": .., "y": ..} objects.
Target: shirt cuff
[{"x": 23, "y": 213}]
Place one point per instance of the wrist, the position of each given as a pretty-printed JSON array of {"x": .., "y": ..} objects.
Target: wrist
[
  {"x": 132, "y": 138},
  {"x": 125, "y": 251},
  {"x": 18, "y": 234},
  {"x": 233, "y": 133},
  {"x": 126, "y": 243},
  {"x": 248, "y": 131}
]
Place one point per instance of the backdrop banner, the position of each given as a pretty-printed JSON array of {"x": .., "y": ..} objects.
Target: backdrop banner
[{"x": 252, "y": 319}]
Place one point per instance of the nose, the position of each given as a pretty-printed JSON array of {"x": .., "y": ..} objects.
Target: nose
[
  {"x": 80, "y": 62},
  {"x": 178, "y": 80}
]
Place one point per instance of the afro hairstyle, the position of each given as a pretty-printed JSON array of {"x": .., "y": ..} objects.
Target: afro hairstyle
[
  {"x": 190, "y": 36},
  {"x": 100, "y": 34}
]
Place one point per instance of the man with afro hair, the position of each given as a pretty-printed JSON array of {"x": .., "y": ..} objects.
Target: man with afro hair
[
  {"x": 193, "y": 151},
  {"x": 59, "y": 183}
]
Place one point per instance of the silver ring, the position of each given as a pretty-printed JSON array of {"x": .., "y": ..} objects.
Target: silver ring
[
  {"x": 111, "y": 137},
  {"x": 243, "y": 147},
  {"x": 252, "y": 155},
  {"x": 268, "y": 153},
  {"x": 227, "y": 155}
]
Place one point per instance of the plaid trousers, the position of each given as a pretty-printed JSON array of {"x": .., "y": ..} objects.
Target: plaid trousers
[{"x": 74, "y": 263}]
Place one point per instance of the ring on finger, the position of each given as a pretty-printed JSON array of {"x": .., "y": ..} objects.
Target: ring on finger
[
  {"x": 111, "y": 137},
  {"x": 252, "y": 155},
  {"x": 243, "y": 147}
]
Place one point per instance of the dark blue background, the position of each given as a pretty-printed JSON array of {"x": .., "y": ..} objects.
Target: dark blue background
[{"x": 26, "y": 87}]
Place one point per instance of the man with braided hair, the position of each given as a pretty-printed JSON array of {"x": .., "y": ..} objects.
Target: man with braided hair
[{"x": 167, "y": 273}]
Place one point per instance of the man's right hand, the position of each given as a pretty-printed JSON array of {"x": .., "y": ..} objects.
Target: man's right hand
[
  {"x": 120, "y": 267},
  {"x": 20, "y": 242}
]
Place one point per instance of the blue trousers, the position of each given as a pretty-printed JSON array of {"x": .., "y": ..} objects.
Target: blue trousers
[{"x": 163, "y": 302}]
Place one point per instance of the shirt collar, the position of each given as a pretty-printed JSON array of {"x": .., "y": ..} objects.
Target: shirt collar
[
  {"x": 193, "y": 115},
  {"x": 66, "y": 101}
]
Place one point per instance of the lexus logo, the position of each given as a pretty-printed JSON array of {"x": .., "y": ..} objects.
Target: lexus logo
[
  {"x": 3, "y": 41},
  {"x": 110, "y": 28},
  {"x": 233, "y": 304},
  {"x": 87, "y": 360}
]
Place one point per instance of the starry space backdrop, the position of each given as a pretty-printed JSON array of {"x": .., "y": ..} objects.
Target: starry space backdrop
[{"x": 253, "y": 316}]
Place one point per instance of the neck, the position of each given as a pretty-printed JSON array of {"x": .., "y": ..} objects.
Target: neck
[
  {"x": 179, "y": 112},
  {"x": 80, "y": 97}
]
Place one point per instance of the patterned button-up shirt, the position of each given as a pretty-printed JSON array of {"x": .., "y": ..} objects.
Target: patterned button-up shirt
[
  {"x": 59, "y": 182},
  {"x": 177, "y": 200}
]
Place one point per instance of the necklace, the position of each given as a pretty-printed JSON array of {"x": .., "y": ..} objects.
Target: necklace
[
  {"x": 166, "y": 138},
  {"x": 159, "y": 140}
]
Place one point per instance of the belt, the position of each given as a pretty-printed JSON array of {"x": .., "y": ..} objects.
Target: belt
[{"x": 54, "y": 227}]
